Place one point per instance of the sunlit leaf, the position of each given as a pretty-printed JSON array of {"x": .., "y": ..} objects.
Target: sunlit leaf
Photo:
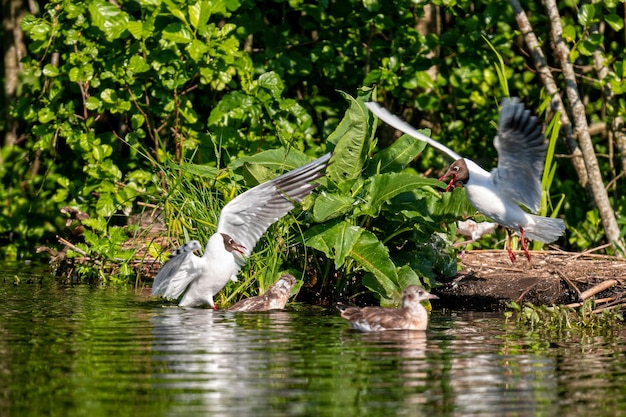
[
  {"x": 616, "y": 22},
  {"x": 199, "y": 14},
  {"x": 569, "y": 33},
  {"x": 272, "y": 82},
  {"x": 177, "y": 32},
  {"x": 330, "y": 205},
  {"x": 50, "y": 70},
  {"x": 372, "y": 255},
  {"x": 352, "y": 139},
  {"x": 138, "y": 64},
  {"x": 336, "y": 240},
  {"x": 279, "y": 160},
  {"x": 197, "y": 49},
  {"x": 383, "y": 187},
  {"x": 396, "y": 157},
  {"x": 586, "y": 14},
  {"x": 109, "y": 18}
]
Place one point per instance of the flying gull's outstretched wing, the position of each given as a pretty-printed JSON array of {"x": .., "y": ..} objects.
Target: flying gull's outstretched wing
[{"x": 248, "y": 215}]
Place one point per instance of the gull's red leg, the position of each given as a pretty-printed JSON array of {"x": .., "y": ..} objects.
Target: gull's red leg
[
  {"x": 521, "y": 230},
  {"x": 508, "y": 246}
]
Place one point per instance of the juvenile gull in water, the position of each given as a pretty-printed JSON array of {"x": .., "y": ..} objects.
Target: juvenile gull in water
[
  {"x": 411, "y": 316},
  {"x": 241, "y": 224},
  {"x": 516, "y": 180},
  {"x": 274, "y": 298}
]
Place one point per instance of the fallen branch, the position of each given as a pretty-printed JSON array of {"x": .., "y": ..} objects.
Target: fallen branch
[
  {"x": 604, "y": 285},
  {"x": 73, "y": 247}
]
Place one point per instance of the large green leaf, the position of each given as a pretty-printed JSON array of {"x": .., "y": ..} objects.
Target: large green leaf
[
  {"x": 276, "y": 159},
  {"x": 330, "y": 205},
  {"x": 372, "y": 283},
  {"x": 454, "y": 204},
  {"x": 397, "y": 156},
  {"x": 197, "y": 170},
  {"x": 336, "y": 239},
  {"x": 407, "y": 276},
  {"x": 372, "y": 255},
  {"x": 255, "y": 174},
  {"x": 352, "y": 139},
  {"x": 383, "y": 187}
]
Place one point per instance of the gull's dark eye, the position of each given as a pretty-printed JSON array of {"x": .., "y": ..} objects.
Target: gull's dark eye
[{"x": 456, "y": 168}]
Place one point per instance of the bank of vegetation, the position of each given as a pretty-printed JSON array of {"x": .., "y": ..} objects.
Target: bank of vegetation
[{"x": 127, "y": 126}]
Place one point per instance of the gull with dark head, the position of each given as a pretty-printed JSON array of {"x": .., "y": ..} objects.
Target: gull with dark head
[
  {"x": 274, "y": 298},
  {"x": 242, "y": 222},
  {"x": 411, "y": 316},
  {"x": 517, "y": 179}
]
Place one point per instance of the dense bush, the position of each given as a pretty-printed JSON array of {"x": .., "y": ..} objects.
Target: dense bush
[{"x": 118, "y": 101}]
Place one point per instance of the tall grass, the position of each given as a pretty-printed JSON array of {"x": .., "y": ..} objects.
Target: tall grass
[{"x": 549, "y": 170}]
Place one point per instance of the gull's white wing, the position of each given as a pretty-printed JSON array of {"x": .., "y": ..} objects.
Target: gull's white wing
[
  {"x": 394, "y": 121},
  {"x": 521, "y": 154},
  {"x": 249, "y": 215},
  {"x": 178, "y": 272}
]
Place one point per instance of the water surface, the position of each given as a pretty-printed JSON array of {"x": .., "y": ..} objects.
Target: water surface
[{"x": 82, "y": 350}]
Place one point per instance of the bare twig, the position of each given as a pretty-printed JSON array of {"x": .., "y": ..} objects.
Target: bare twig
[
  {"x": 604, "y": 285},
  {"x": 72, "y": 246},
  {"x": 526, "y": 291},
  {"x": 599, "y": 301},
  {"x": 570, "y": 283}
]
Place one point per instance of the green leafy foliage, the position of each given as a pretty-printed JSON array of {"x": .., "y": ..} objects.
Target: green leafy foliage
[
  {"x": 119, "y": 102},
  {"x": 564, "y": 318},
  {"x": 353, "y": 236},
  {"x": 365, "y": 231},
  {"x": 111, "y": 91}
]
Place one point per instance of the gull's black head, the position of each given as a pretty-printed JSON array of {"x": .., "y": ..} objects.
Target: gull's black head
[
  {"x": 458, "y": 173},
  {"x": 231, "y": 245}
]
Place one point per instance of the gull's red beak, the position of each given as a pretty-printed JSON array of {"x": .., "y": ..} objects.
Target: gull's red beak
[
  {"x": 451, "y": 183},
  {"x": 239, "y": 248}
]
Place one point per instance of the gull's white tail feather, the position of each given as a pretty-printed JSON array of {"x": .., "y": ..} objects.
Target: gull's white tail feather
[{"x": 544, "y": 229}]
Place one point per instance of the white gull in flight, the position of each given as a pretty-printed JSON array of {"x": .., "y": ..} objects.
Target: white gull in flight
[{"x": 516, "y": 180}]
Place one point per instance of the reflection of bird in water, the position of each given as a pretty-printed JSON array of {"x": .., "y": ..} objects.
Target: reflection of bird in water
[
  {"x": 516, "y": 180},
  {"x": 241, "y": 224},
  {"x": 411, "y": 316},
  {"x": 217, "y": 363},
  {"x": 274, "y": 298}
]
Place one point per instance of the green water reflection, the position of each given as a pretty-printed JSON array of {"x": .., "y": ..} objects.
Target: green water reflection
[{"x": 79, "y": 350}]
